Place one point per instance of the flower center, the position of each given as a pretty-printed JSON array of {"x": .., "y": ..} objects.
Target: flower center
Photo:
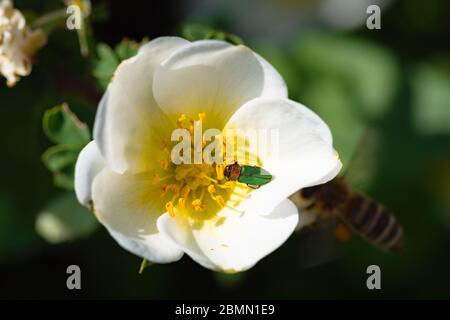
[{"x": 198, "y": 190}]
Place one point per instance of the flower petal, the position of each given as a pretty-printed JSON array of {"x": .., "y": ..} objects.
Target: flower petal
[
  {"x": 304, "y": 156},
  {"x": 179, "y": 231},
  {"x": 129, "y": 208},
  {"x": 234, "y": 241},
  {"x": 129, "y": 123},
  {"x": 214, "y": 77},
  {"x": 90, "y": 162}
]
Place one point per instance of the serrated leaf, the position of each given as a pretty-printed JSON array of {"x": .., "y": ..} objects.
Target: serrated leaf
[
  {"x": 63, "y": 127},
  {"x": 64, "y": 219}
]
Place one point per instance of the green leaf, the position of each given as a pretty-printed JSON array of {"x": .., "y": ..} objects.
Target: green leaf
[
  {"x": 63, "y": 127},
  {"x": 60, "y": 160},
  {"x": 128, "y": 48},
  {"x": 64, "y": 219},
  {"x": 109, "y": 59},
  {"x": 106, "y": 64},
  {"x": 431, "y": 100},
  {"x": 58, "y": 157},
  {"x": 193, "y": 32}
]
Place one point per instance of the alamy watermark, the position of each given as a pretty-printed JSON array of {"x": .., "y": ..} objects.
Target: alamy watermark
[
  {"x": 374, "y": 19},
  {"x": 75, "y": 17},
  {"x": 73, "y": 281},
  {"x": 374, "y": 280},
  {"x": 215, "y": 146}
]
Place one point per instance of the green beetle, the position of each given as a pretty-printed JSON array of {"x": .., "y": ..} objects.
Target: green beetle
[{"x": 252, "y": 176}]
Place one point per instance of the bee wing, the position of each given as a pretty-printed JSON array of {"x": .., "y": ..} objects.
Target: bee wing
[
  {"x": 361, "y": 168},
  {"x": 317, "y": 244}
]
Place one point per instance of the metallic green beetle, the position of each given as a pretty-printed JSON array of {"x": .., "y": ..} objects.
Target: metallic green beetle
[{"x": 252, "y": 176}]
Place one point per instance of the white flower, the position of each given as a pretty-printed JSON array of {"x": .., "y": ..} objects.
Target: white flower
[
  {"x": 159, "y": 210},
  {"x": 18, "y": 43}
]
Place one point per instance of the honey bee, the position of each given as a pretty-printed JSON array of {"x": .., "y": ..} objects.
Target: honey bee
[{"x": 356, "y": 211}]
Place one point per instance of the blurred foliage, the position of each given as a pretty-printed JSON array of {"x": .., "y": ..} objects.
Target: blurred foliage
[
  {"x": 70, "y": 135},
  {"x": 193, "y": 32},
  {"x": 63, "y": 219},
  {"x": 431, "y": 97}
]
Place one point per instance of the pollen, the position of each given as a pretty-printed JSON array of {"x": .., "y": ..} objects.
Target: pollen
[{"x": 197, "y": 191}]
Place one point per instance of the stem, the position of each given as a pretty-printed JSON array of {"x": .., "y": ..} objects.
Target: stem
[
  {"x": 50, "y": 17},
  {"x": 82, "y": 39}
]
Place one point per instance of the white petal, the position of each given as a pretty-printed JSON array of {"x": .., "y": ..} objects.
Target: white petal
[
  {"x": 179, "y": 231},
  {"x": 89, "y": 163},
  {"x": 214, "y": 77},
  {"x": 305, "y": 154},
  {"x": 234, "y": 241},
  {"x": 274, "y": 84},
  {"x": 129, "y": 123},
  {"x": 128, "y": 208}
]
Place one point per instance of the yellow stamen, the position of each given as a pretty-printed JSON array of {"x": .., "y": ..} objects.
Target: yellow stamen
[
  {"x": 227, "y": 185},
  {"x": 182, "y": 202},
  {"x": 219, "y": 171},
  {"x": 209, "y": 178},
  {"x": 201, "y": 116},
  {"x": 164, "y": 163},
  {"x": 157, "y": 179},
  {"x": 170, "y": 209},
  {"x": 164, "y": 190},
  {"x": 220, "y": 200},
  {"x": 164, "y": 144},
  {"x": 211, "y": 189},
  {"x": 185, "y": 191},
  {"x": 197, "y": 204},
  {"x": 181, "y": 119},
  {"x": 176, "y": 189}
]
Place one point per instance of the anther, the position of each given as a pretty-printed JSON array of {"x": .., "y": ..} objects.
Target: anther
[
  {"x": 219, "y": 171},
  {"x": 170, "y": 209},
  {"x": 211, "y": 189},
  {"x": 197, "y": 204}
]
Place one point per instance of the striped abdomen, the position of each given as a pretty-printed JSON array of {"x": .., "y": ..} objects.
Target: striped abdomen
[{"x": 372, "y": 222}]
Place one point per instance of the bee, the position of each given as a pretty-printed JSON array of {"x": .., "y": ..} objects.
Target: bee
[
  {"x": 356, "y": 211},
  {"x": 252, "y": 176}
]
